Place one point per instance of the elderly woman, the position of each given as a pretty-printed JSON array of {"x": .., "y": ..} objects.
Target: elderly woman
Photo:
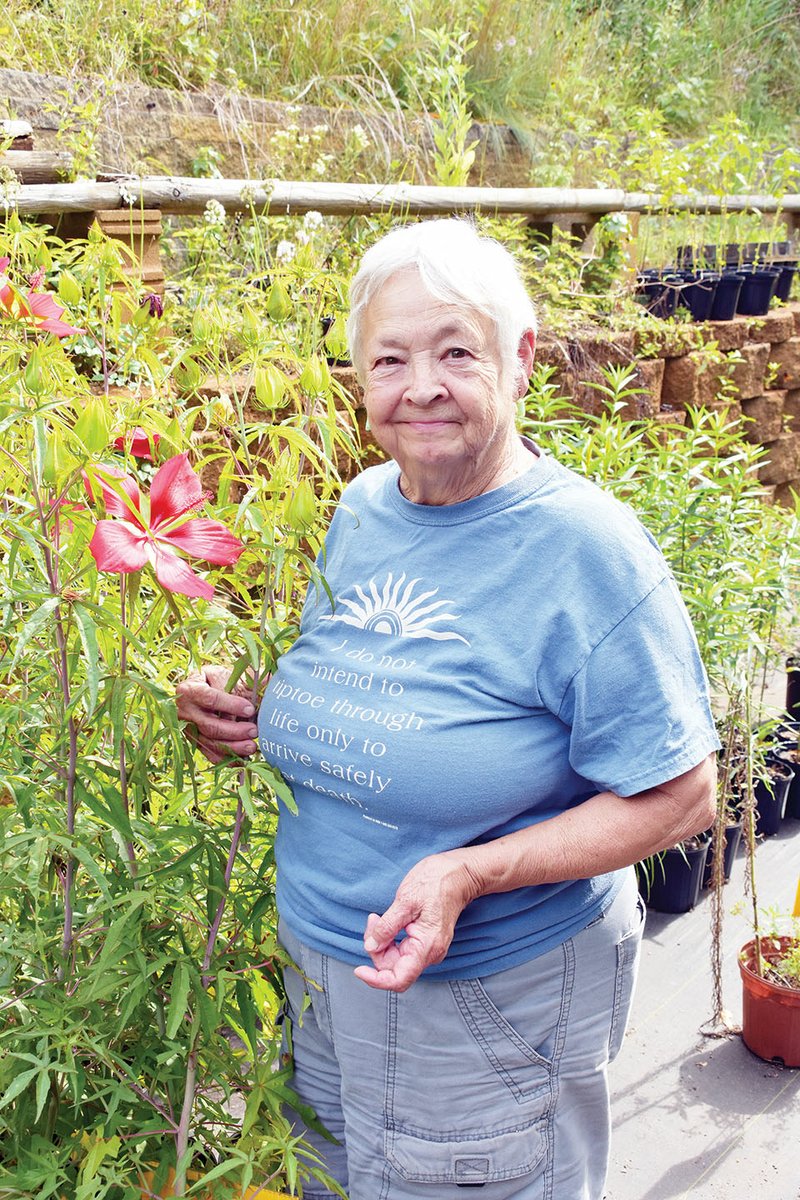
[{"x": 502, "y": 711}]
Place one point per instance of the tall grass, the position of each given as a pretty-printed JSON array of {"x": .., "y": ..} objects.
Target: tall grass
[{"x": 535, "y": 63}]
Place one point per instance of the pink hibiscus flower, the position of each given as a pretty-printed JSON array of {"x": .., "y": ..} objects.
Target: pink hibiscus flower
[
  {"x": 37, "y": 307},
  {"x": 132, "y": 538}
]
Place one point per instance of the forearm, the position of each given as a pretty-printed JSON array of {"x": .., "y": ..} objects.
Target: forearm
[{"x": 604, "y": 833}]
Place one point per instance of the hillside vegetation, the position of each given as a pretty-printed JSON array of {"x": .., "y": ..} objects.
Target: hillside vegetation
[{"x": 581, "y": 67}]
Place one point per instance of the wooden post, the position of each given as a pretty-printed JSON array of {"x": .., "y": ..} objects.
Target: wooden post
[{"x": 138, "y": 230}]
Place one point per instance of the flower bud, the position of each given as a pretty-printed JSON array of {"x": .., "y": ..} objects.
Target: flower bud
[
  {"x": 301, "y": 507},
  {"x": 315, "y": 377},
  {"x": 270, "y": 385},
  {"x": 93, "y": 426},
  {"x": 279, "y": 304},
  {"x": 44, "y": 258},
  {"x": 58, "y": 462},
  {"x": 201, "y": 327},
  {"x": 69, "y": 290},
  {"x": 252, "y": 327},
  {"x": 33, "y": 376}
]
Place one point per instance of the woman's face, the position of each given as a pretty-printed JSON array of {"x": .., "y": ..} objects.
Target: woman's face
[{"x": 437, "y": 397}]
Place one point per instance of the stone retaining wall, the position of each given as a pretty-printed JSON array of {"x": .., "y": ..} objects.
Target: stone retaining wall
[
  {"x": 147, "y": 130},
  {"x": 749, "y": 366}
]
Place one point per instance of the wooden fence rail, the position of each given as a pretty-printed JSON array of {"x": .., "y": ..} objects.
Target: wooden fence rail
[{"x": 187, "y": 195}]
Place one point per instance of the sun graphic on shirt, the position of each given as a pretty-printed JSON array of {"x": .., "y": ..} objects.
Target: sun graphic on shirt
[{"x": 395, "y": 610}]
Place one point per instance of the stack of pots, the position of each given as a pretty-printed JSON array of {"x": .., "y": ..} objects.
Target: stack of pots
[{"x": 743, "y": 286}]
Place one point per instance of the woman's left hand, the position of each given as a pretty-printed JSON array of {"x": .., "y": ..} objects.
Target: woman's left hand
[{"x": 427, "y": 905}]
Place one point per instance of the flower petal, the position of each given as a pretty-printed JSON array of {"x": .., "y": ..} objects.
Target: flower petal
[
  {"x": 205, "y": 539},
  {"x": 177, "y": 576},
  {"x": 47, "y": 314},
  {"x": 140, "y": 443},
  {"x": 117, "y": 547},
  {"x": 59, "y": 328},
  {"x": 175, "y": 490},
  {"x": 116, "y": 505}
]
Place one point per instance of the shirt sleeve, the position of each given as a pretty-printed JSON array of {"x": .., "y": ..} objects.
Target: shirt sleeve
[{"x": 638, "y": 707}]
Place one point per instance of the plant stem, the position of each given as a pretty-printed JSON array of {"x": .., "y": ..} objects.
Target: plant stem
[
  {"x": 123, "y": 767},
  {"x": 70, "y": 772}
]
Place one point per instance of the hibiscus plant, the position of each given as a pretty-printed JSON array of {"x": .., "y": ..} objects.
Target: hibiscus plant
[{"x": 139, "y": 980}]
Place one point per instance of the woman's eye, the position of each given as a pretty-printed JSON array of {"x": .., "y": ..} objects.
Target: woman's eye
[{"x": 458, "y": 352}]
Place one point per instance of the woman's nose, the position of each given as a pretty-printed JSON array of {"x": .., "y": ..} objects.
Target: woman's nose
[{"x": 422, "y": 386}]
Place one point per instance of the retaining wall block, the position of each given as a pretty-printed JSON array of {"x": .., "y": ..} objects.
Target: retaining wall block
[
  {"x": 748, "y": 372},
  {"x": 649, "y": 376},
  {"x": 693, "y": 380},
  {"x": 786, "y": 355},
  {"x": 729, "y": 335},
  {"x": 791, "y": 410},
  {"x": 786, "y": 494},
  {"x": 783, "y": 462},
  {"x": 776, "y": 326},
  {"x": 764, "y": 417}
]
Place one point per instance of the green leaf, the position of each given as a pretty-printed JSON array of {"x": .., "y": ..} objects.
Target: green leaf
[
  {"x": 42, "y": 1092},
  {"x": 88, "y": 635},
  {"x": 18, "y": 1085},
  {"x": 247, "y": 1012},
  {"x": 32, "y": 626},
  {"x": 178, "y": 995}
]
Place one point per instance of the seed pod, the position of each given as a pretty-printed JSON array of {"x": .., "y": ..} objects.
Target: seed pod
[
  {"x": 270, "y": 384},
  {"x": 69, "y": 290},
  {"x": 301, "y": 507},
  {"x": 279, "y": 304}
]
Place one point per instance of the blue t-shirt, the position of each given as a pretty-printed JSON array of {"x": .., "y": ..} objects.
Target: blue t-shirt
[{"x": 487, "y": 665}]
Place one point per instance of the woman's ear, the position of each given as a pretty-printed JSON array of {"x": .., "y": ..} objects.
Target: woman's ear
[{"x": 525, "y": 353}]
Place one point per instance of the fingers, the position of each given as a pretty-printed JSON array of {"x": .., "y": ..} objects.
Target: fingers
[{"x": 219, "y": 723}]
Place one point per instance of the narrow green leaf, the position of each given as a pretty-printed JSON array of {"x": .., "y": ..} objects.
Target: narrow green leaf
[
  {"x": 33, "y": 625},
  {"x": 18, "y": 1085},
  {"x": 88, "y": 635},
  {"x": 178, "y": 995}
]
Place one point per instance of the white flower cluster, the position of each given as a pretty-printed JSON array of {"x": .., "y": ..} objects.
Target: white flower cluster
[
  {"x": 312, "y": 220},
  {"x": 214, "y": 213},
  {"x": 285, "y": 251},
  {"x": 358, "y": 137}
]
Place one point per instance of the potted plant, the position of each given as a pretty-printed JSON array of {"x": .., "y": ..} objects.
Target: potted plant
[
  {"x": 672, "y": 881},
  {"x": 769, "y": 966}
]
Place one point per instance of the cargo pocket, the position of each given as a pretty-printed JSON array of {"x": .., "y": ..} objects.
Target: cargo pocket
[
  {"x": 625, "y": 982},
  {"x": 468, "y": 1099}
]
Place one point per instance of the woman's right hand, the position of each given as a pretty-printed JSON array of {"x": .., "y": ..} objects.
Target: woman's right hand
[{"x": 222, "y": 724}]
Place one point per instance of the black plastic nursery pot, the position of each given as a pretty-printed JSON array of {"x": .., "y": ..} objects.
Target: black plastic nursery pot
[
  {"x": 733, "y": 840},
  {"x": 675, "y": 880},
  {"x": 758, "y": 288},
  {"x": 783, "y": 287},
  {"x": 771, "y": 798},
  {"x": 658, "y": 292},
  {"x": 698, "y": 293},
  {"x": 726, "y": 297}
]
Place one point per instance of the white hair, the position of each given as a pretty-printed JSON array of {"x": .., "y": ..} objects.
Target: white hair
[{"x": 457, "y": 266}]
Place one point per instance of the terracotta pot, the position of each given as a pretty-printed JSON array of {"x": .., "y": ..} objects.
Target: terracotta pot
[
  {"x": 770, "y": 1011},
  {"x": 253, "y": 1193}
]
